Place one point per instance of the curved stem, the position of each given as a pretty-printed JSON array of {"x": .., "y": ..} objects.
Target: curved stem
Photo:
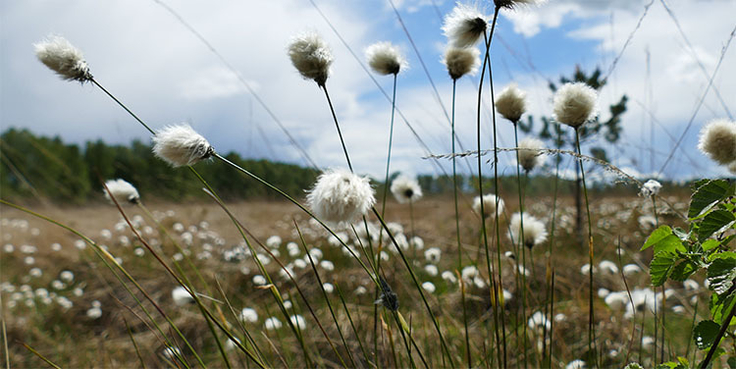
[{"x": 337, "y": 125}]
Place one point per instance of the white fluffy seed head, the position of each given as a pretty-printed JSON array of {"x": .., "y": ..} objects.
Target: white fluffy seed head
[
  {"x": 511, "y": 4},
  {"x": 181, "y": 296},
  {"x": 530, "y": 155},
  {"x": 462, "y": 61},
  {"x": 385, "y": 58},
  {"x": 122, "y": 191},
  {"x": 575, "y": 104},
  {"x": 718, "y": 141},
  {"x": 63, "y": 58},
  {"x": 464, "y": 25},
  {"x": 511, "y": 103},
  {"x": 650, "y": 188},
  {"x": 180, "y": 145},
  {"x": 534, "y": 230},
  {"x": 311, "y": 56},
  {"x": 340, "y": 196},
  {"x": 489, "y": 205},
  {"x": 406, "y": 189}
]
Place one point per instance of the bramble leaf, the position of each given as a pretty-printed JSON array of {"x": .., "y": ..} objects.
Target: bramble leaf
[{"x": 705, "y": 333}]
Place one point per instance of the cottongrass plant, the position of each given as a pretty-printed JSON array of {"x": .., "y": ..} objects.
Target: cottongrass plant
[
  {"x": 574, "y": 104},
  {"x": 718, "y": 141},
  {"x": 459, "y": 62},
  {"x": 179, "y": 145},
  {"x": 122, "y": 191},
  {"x": 406, "y": 190},
  {"x": 340, "y": 196}
]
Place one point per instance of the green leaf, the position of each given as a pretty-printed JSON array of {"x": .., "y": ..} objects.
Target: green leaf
[
  {"x": 721, "y": 273},
  {"x": 732, "y": 362},
  {"x": 707, "y": 196},
  {"x": 710, "y": 245},
  {"x": 683, "y": 361},
  {"x": 667, "y": 365},
  {"x": 633, "y": 366},
  {"x": 720, "y": 306},
  {"x": 683, "y": 270},
  {"x": 716, "y": 221},
  {"x": 658, "y": 235},
  {"x": 661, "y": 267},
  {"x": 722, "y": 255},
  {"x": 705, "y": 333}
]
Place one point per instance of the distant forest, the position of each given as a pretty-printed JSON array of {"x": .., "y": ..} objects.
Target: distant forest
[{"x": 34, "y": 168}]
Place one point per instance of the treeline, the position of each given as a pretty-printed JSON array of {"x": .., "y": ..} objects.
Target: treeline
[
  {"x": 45, "y": 168},
  {"x": 42, "y": 168}
]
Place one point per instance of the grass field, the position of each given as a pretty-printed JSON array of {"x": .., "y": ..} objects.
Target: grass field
[{"x": 55, "y": 316}]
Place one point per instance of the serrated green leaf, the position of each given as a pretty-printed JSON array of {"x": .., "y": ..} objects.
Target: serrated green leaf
[
  {"x": 707, "y": 196},
  {"x": 667, "y": 365},
  {"x": 705, "y": 333},
  {"x": 710, "y": 245},
  {"x": 722, "y": 255},
  {"x": 720, "y": 306},
  {"x": 721, "y": 273},
  {"x": 683, "y": 271},
  {"x": 716, "y": 221},
  {"x": 658, "y": 235},
  {"x": 661, "y": 267}
]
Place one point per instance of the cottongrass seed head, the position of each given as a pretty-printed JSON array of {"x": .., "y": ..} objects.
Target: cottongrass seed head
[
  {"x": 406, "y": 190},
  {"x": 464, "y": 25},
  {"x": 489, "y": 205},
  {"x": 575, "y": 104},
  {"x": 511, "y": 103},
  {"x": 534, "y": 230},
  {"x": 122, "y": 191},
  {"x": 180, "y": 145},
  {"x": 530, "y": 155},
  {"x": 461, "y": 61},
  {"x": 62, "y": 57},
  {"x": 340, "y": 196},
  {"x": 718, "y": 141},
  {"x": 385, "y": 58},
  {"x": 650, "y": 188},
  {"x": 511, "y": 4},
  {"x": 311, "y": 56}
]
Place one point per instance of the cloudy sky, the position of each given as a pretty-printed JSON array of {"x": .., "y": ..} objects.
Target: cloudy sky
[{"x": 153, "y": 60}]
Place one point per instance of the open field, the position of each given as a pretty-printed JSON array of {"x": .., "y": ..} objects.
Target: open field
[{"x": 55, "y": 314}]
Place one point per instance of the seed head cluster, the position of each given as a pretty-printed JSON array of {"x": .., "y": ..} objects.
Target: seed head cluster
[
  {"x": 311, "y": 56},
  {"x": 63, "y": 58},
  {"x": 340, "y": 196},
  {"x": 122, "y": 191},
  {"x": 461, "y": 61},
  {"x": 180, "y": 145},
  {"x": 718, "y": 141},
  {"x": 489, "y": 205},
  {"x": 511, "y": 103},
  {"x": 575, "y": 104},
  {"x": 530, "y": 155},
  {"x": 406, "y": 189},
  {"x": 385, "y": 58},
  {"x": 464, "y": 25},
  {"x": 534, "y": 230}
]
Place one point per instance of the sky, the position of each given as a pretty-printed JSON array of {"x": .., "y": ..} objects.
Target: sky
[{"x": 189, "y": 61}]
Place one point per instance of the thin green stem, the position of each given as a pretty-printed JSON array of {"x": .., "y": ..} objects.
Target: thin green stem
[
  {"x": 123, "y": 106},
  {"x": 591, "y": 313},
  {"x": 337, "y": 125},
  {"x": 522, "y": 243},
  {"x": 390, "y": 143}
]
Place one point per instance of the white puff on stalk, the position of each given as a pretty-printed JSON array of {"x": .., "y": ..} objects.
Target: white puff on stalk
[
  {"x": 489, "y": 205},
  {"x": 575, "y": 104},
  {"x": 340, "y": 196},
  {"x": 406, "y": 190},
  {"x": 534, "y": 230},
  {"x": 62, "y": 57},
  {"x": 718, "y": 141},
  {"x": 650, "y": 188},
  {"x": 511, "y": 103},
  {"x": 461, "y": 61},
  {"x": 464, "y": 25},
  {"x": 385, "y": 58},
  {"x": 530, "y": 155},
  {"x": 122, "y": 191},
  {"x": 180, "y": 145},
  {"x": 311, "y": 56}
]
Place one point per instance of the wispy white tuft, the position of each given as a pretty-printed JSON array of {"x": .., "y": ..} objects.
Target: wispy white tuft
[
  {"x": 575, "y": 104},
  {"x": 122, "y": 191},
  {"x": 63, "y": 58},
  {"x": 181, "y": 296},
  {"x": 311, "y": 56},
  {"x": 406, "y": 189},
  {"x": 462, "y": 61},
  {"x": 650, "y": 188},
  {"x": 576, "y": 364},
  {"x": 385, "y": 58},
  {"x": 180, "y": 145},
  {"x": 489, "y": 205},
  {"x": 718, "y": 141},
  {"x": 511, "y": 103},
  {"x": 340, "y": 196},
  {"x": 511, "y": 4},
  {"x": 529, "y": 155},
  {"x": 464, "y": 25},
  {"x": 534, "y": 230},
  {"x": 248, "y": 315}
]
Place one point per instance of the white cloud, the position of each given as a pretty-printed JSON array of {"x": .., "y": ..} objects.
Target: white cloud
[{"x": 212, "y": 83}]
